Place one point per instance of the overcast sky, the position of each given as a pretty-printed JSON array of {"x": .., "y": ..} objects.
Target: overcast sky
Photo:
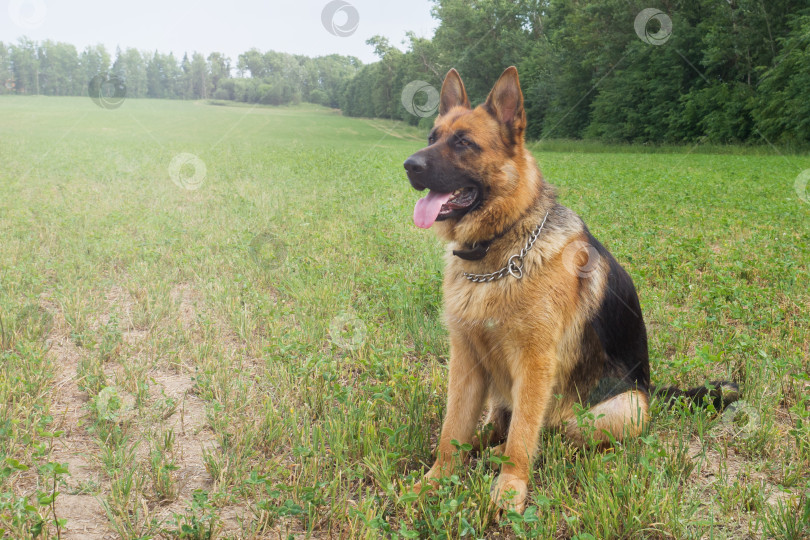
[{"x": 230, "y": 27}]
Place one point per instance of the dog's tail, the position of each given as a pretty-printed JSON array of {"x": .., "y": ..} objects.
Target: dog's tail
[{"x": 719, "y": 393}]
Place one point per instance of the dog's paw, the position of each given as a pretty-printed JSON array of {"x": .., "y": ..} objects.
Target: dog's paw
[
  {"x": 431, "y": 479},
  {"x": 429, "y": 482},
  {"x": 509, "y": 493},
  {"x": 424, "y": 485}
]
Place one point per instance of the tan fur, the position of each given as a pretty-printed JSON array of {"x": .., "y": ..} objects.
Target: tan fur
[
  {"x": 514, "y": 343},
  {"x": 619, "y": 417}
]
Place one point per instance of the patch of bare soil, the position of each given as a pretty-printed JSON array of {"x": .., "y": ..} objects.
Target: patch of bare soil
[
  {"x": 715, "y": 471},
  {"x": 192, "y": 438},
  {"x": 189, "y": 421},
  {"x": 189, "y": 302},
  {"x": 77, "y": 502}
]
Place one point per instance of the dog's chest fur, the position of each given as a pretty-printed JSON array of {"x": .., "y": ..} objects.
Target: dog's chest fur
[
  {"x": 509, "y": 304},
  {"x": 502, "y": 318},
  {"x": 497, "y": 318}
]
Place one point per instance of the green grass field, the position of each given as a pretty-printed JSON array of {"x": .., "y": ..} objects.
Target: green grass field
[{"x": 256, "y": 349}]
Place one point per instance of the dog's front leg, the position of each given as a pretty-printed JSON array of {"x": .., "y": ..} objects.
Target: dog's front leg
[
  {"x": 531, "y": 395},
  {"x": 466, "y": 391}
]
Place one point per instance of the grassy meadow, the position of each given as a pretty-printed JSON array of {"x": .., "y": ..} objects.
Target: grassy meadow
[{"x": 248, "y": 343}]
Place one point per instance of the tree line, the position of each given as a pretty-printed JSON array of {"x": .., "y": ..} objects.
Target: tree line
[
  {"x": 658, "y": 71},
  {"x": 722, "y": 71},
  {"x": 274, "y": 78}
]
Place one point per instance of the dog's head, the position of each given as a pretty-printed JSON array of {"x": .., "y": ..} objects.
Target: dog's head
[{"x": 478, "y": 173}]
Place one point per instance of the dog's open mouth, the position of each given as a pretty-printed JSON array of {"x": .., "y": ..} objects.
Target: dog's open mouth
[{"x": 438, "y": 206}]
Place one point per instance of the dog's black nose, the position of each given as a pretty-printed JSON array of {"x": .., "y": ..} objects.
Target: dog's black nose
[{"x": 415, "y": 164}]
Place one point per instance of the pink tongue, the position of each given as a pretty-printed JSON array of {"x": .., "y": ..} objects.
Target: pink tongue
[{"x": 427, "y": 209}]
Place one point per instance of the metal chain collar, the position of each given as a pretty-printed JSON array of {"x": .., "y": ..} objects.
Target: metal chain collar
[{"x": 514, "y": 267}]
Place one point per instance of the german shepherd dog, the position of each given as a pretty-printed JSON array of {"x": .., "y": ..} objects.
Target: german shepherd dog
[{"x": 541, "y": 316}]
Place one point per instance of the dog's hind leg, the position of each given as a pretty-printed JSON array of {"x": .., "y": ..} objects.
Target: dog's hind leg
[{"x": 619, "y": 417}]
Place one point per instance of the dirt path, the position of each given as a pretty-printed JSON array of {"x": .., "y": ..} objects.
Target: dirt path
[
  {"x": 87, "y": 484},
  {"x": 78, "y": 501}
]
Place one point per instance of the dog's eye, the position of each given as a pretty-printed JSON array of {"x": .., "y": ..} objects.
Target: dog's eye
[
  {"x": 464, "y": 141},
  {"x": 431, "y": 139}
]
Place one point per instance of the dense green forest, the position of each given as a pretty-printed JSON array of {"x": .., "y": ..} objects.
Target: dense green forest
[
  {"x": 273, "y": 78},
  {"x": 616, "y": 70},
  {"x": 724, "y": 71}
]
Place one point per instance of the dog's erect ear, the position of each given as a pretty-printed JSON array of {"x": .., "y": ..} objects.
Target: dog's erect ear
[
  {"x": 453, "y": 93},
  {"x": 505, "y": 101}
]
